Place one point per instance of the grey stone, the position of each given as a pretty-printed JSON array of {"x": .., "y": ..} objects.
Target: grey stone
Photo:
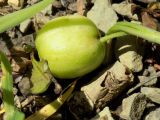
[
  {"x": 125, "y": 9},
  {"x": 25, "y": 25},
  {"x": 152, "y": 93},
  {"x": 103, "y": 15},
  {"x": 105, "y": 114},
  {"x": 24, "y": 86},
  {"x": 16, "y": 4},
  {"x": 129, "y": 49},
  {"x": 133, "y": 107},
  {"x": 154, "y": 114}
]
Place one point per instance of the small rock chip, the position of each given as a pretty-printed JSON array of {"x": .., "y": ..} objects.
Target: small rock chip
[
  {"x": 25, "y": 25},
  {"x": 129, "y": 51},
  {"x": 154, "y": 114},
  {"x": 103, "y": 15},
  {"x": 133, "y": 107},
  {"x": 47, "y": 10},
  {"x": 105, "y": 114},
  {"x": 125, "y": 9},
  {"x": 152, "y": 93},
  {"x": 24, "y": 86},
  {"x": 16, "y": 4}
]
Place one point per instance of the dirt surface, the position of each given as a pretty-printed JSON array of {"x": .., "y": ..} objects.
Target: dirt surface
[{"x": 115, "y": 86}]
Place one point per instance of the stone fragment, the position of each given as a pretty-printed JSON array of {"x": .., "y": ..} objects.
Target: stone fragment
[
  {"x": 16, "y": 4},
  {"x": 103, "y": 15},
  {"x": 129, "y": 50},
  {"x": 125, "y": 9},
  {"x": 152, "y": 93},
  {"x": 25, "y": 25},
  {"x": 153, "y": 114},
  {"x": 105, "y": 114},
  {"x": 24, "y": 85},
  {"x": 47, "y": 10},
  {"x": 133, "y": 107}
]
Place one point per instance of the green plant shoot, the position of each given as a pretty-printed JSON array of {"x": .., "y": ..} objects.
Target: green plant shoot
[{"x": 11, "y": 113}]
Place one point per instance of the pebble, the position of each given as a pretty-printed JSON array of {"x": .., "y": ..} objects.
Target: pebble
[
  {"x": 16, "y": 4},
  {"x": 154, "y": 114},
  {"x": 105, "y": 114},
  {"x": 129, "y": 51},
  {"x": 25, "y": 25},
  {"x": 133, "y": 107},
  {"x": 24, "y": 86},
  {"x": 152, "y": 93}
]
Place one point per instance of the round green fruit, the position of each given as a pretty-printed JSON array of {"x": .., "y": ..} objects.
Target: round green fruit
[{"x": 71, "y": 46}]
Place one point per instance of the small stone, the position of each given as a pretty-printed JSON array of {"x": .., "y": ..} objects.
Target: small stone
[
  {"x": 16, "y": 4},
  {"x": 152, "y": 93},
  {"x": 25, "y": 25},
  {"x": 24, "y": 86},
  {"x": 47, "y": 10},
  {"x": 103, "y": 15},
  {"x": 39, "y": 20},
  {"x": 17, "y": 101},
  {"x": 125, "y": 9},
  {"x": 133, "y": 107},
  {"x": 129, "y": 50},
  {"x": 154, "y": 114},
  {"x": 105, "y": 114},
  {"x": 57, "y": 4}
]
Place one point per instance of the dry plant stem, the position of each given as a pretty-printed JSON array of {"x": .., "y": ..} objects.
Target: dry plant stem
[
  {"x": 133, "y": 29},
  {"x": 141, "y": 84}
]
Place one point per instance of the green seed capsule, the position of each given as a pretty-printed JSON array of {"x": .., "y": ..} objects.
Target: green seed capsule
[{"x": 71, "y": 46}]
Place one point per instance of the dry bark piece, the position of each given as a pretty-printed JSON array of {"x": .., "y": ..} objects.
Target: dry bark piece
[
  {"x": 152, "y": 93},
  {"x": 108, "y": 85},
  {"x": 105, "y": 114},
  {"x": 133, "y": 107}
]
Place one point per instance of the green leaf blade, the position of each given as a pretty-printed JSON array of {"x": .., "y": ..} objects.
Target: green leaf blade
[
  {"x": 11, "y": 113},
  {"x": 13, "y": 19}
]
